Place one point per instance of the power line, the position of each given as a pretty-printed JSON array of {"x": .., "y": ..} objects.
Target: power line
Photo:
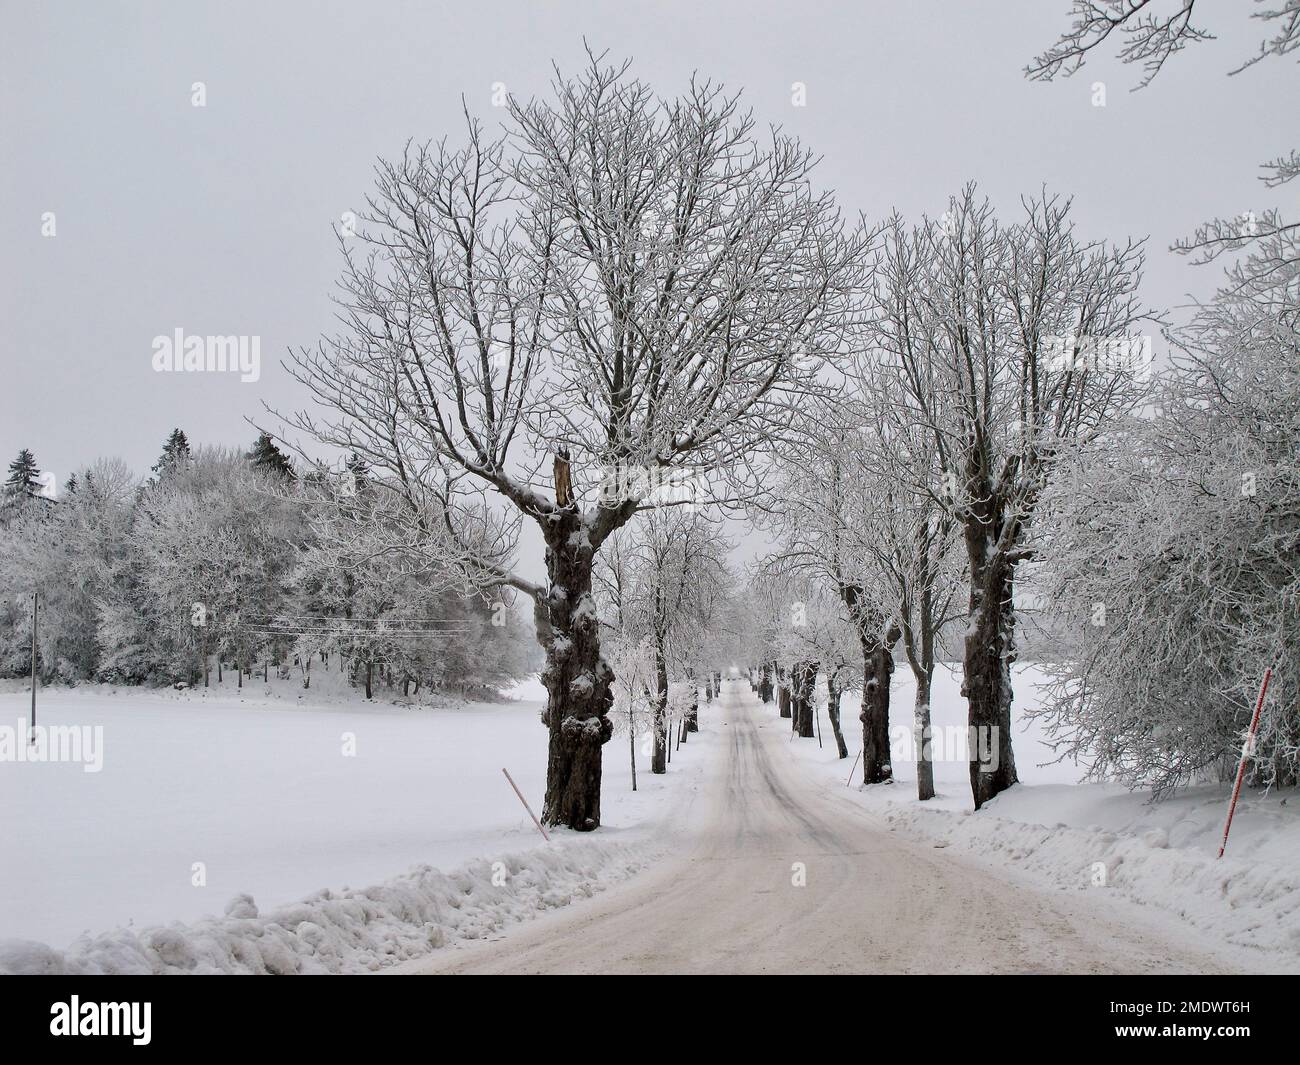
[
  {"x": 304, "y": 625},
  {"x": 328, "y": 619}
]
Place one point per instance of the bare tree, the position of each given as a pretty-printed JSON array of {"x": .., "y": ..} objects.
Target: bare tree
[
  {"x": 1010, "y": 340},
  {"x": 626, "y": 278},
  {"x": 668, "y": 575},
  {"x": 826, "y": 642},
  {"x": 913, "y": 531},
  {"x": 824, "y": 518},
  {"x": 861, "y": 517},
  {"x": 1152, "y": 33}
]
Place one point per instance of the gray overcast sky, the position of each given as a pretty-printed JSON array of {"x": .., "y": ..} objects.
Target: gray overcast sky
[{"x": 218, "y": 220}]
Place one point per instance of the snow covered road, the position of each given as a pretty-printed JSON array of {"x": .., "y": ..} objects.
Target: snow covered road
[{"x": 870, "y": 901}]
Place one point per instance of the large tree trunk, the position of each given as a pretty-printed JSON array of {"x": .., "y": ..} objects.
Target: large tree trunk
[
  {"x": 833, "y": 712},
  {"x": 693, "y": 715},
  {"x": 659, "y": 760},
  {"x": 986, "y": 681},
  {"x": 877, "y": 670},
  {"x": 805, "y": 680},
  {"x": 783, "y": 692},
  {"x": 765, "y": 684},
  {"x": 924, "y": 746},
  {"x": 579, "y": 683}
]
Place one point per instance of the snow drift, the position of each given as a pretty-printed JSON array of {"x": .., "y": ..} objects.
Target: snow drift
[{"x": 350, "y": 931}]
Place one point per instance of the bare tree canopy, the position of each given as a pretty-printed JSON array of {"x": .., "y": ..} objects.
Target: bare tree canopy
[
  {"x": 638, "y": 285},
  {"x": 1150, "y": 32}
]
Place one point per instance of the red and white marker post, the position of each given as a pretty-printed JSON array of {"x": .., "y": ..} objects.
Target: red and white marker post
[{"x": 1247, "y": 749}]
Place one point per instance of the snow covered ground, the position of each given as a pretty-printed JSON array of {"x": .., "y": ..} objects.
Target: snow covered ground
[
  {"x": 98, "y": 869},
  {"x": 258, "y": 788},
  {"x": 1054, "y": 831}
]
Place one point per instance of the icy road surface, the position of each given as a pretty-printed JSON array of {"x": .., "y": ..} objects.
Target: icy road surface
[{"x": 872, "y": 901}]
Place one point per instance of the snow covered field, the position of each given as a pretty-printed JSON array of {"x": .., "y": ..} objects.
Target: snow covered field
[
  {"x": 1057, "y": 832},
  {"x": 258, "y": 789}
]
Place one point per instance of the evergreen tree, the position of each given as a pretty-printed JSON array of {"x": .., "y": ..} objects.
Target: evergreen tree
[
  {"x": 360, "y": 471},
  {"x": 266, "y": 456},
  {"x": 23, "y": 474},
  {"x": 176, "y": 452}
]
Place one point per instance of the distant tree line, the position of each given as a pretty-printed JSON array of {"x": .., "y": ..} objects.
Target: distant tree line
[{"x": 229, "y": 560}]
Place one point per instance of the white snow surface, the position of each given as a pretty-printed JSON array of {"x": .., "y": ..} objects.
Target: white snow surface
[
  {"x": 255, "y": 786},
  {"x": 1052, "y": 831}
]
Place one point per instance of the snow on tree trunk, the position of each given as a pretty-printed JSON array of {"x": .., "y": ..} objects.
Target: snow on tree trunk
[
  {"x": 924, "y": 747},
  {"x": 986, "y": 681},
  {"x": 659, "y": 759},
  {"x": 833, "y": 712},
  {"x": 783, "y": 692},
  {"x": 765, "y": 684},
  {"x": 877, "y": 669},
  {"x": 805, "y": 679},
  {"x": 579, "y": 683}
]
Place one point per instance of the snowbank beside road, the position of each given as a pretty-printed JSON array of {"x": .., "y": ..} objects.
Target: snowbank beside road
[
  {"x": 350, "y": 931},
  {"x": 1161, "y": 856},
  {"x": 1093, "y": 837}
]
